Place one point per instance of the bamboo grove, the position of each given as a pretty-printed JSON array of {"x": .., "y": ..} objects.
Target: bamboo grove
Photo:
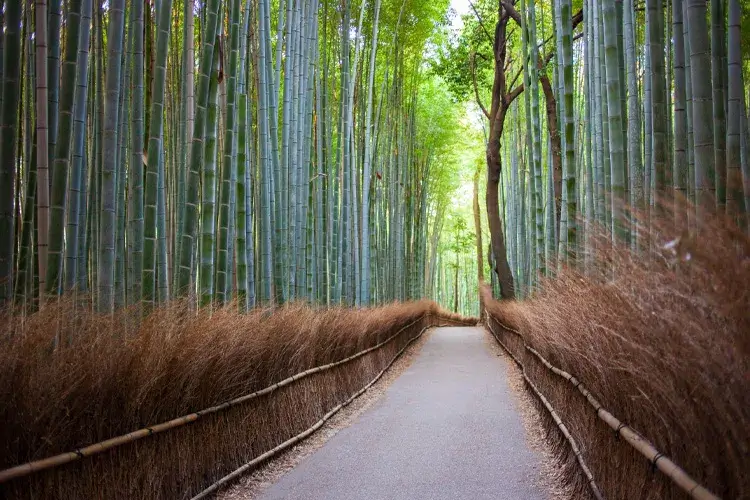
[
  {"x": 604, "y": 114},
  {"x": 240, "y": 150}
]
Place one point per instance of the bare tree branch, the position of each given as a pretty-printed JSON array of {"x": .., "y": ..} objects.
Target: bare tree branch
[
  {"x": 476, "y": 89},
  {"x": 481, "y": 22},
  {"x": 515, "y": 78},
  {"x": 514, "y": 94}
]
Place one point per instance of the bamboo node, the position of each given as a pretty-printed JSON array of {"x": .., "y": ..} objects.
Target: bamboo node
[
  {"x": 617, "y": 431},
  {"x": 654, "y": 460}
]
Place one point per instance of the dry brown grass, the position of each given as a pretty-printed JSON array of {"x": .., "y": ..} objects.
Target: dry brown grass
[
  {"x": 107, "y": 379},
  {"x": 662, "y": 339}
]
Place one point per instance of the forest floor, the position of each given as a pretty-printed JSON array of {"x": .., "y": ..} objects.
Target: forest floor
[{"x": 452, "y": 421}]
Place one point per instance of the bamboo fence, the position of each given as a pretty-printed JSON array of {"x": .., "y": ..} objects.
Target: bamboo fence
[
  {"x": 299, "y": 437},
  {"x": 658, "y": 460},
  {"x": 102, "y": 446}
]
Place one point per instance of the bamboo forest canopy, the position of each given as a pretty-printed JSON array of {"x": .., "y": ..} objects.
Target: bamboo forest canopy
[
  {"x": 223, "y": 150},
  {"x": 601, "y": 117},
  {"x": 355, "y": 152}
]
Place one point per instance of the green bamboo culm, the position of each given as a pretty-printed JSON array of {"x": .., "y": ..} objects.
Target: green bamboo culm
[
  {"x": 703, "y": 136},
  {"x": 60, "y": 167},
  {"x": 8, "y": 131},
  {"x": 655, "y": 35},
  {"x": 208, "y": 200},
  {"x": 534, "y": 200},
  {"x": 190, "y": 217},
  {"x": 135, "y": 178},
  {"x": 155, "y": 145},
  {"x": 42, "y": 143},
  {"x": 680, "y": 158},
  {"x": 616, "y": 140},
  {"x": 536, "y": 134},
  {"x": 54, "y": 23},
  {"x": 735, "y": 107},
  {"x": 109, "y": 170},
  {"x": 635, "y": 150},
  {"x": 229, "y": 170},
  {"x": 718, "y": 78},
  {"x": 242, "y": 208},
  {"x": 75, "y": 231},
  {"x": 565, "y": 13}
]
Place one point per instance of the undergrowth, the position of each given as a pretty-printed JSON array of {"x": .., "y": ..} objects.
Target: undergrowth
[
  {"x": 661, "y": 337},
  {"x": 111, "y": 375}
]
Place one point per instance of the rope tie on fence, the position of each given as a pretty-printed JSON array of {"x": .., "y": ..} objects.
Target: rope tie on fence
[
  {"x": 657, "y": 459},
  {"x": 617, "y": 431}
]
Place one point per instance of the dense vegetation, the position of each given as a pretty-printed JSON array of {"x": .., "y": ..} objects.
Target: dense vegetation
[
  {"x": 254, "y": 151},
  {"x": 599, "y": 111},
  {"x": 176, "y": 174},
  {"x": 210, "y": 391},
  {"x": 659, "y": 338}
]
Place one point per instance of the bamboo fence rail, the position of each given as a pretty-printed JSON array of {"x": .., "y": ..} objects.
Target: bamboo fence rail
[
  {"x": 299, "y": 437},
  {"x": 558, "y": 421},
  {"x": 660, "y": 461},
  {"x": 102, "y": 446}
]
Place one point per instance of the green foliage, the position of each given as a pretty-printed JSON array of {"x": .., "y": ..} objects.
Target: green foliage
[{"x": 468, "y": 53}]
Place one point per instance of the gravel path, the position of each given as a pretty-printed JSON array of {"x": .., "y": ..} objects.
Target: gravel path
[{"x": 447, "y": 428}]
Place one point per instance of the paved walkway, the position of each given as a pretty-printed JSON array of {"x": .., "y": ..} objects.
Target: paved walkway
[{"x": 447, "y": 428}]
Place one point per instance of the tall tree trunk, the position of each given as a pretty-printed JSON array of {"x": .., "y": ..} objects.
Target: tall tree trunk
[
  {"x": 494, "y": 168},
  {"x": 555, "y": 144}
]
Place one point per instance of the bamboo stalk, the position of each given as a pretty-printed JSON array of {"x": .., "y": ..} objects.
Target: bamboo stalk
[
  {"x": 678, "y": 476},
  {"x": 102, "y": 446}
]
